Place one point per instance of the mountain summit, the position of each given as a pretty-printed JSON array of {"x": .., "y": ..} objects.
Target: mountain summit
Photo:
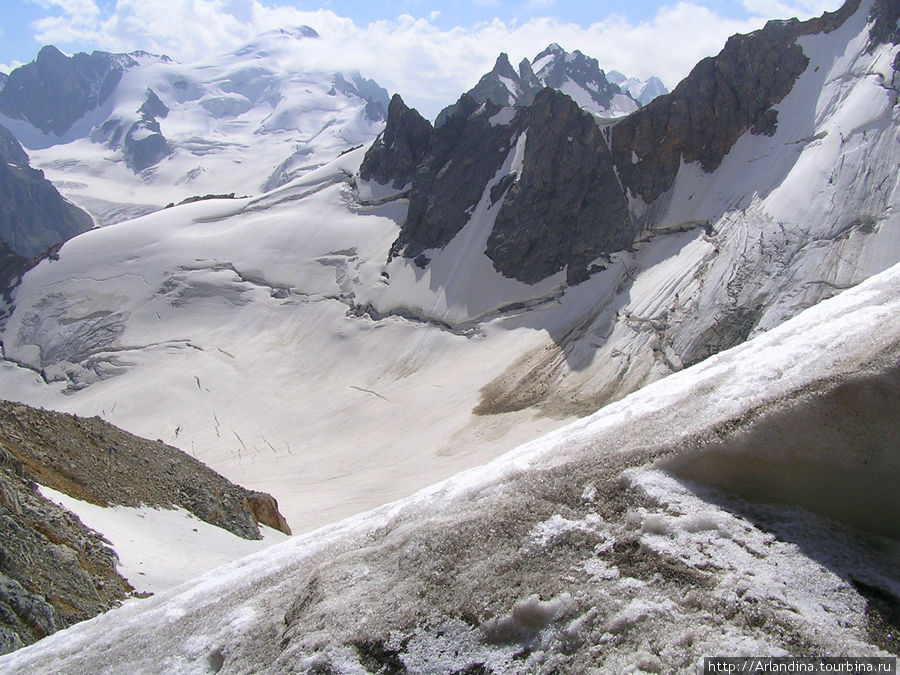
[{"x": 576, "y": 75}]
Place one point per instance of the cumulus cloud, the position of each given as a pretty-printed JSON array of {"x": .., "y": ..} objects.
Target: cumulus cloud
[{"x": 429, "y": 66}]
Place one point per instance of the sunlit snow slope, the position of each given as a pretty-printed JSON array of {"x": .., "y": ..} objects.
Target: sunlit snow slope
[
  {"x": 271, "y": 338},
  {"x": 581, "y": 550},
  {"x": 240, "y": 122}
]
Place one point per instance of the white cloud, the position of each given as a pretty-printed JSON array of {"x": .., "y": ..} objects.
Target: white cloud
[
  {"x": 785, "y": 10},
  {"x": 430, "y": 67}
]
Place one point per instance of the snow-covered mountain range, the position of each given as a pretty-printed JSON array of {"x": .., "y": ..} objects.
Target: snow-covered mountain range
[
  {"x": 424, "y": 303},
  {"x": 125, "y": 134},
  {"x": 574, "y": 74}
]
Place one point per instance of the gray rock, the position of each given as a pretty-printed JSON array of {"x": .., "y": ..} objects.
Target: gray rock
[
  {"x": 506, "y": 86},
  {"x": 33, "y": 216},
  {"x": 398, "y": 150},
  {"x": 463, "y": 155},
  {"x": 721, "y": 99},
  {"x": 566, "y": 208},
  {"x": 55, "y": 91}
]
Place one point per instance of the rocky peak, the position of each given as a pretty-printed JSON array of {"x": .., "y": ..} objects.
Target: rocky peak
[
  {"x": 398, "y": 150},
  {"x": 567, "y": 205},
  {"x": 55, "y": 90},
  {"x": 576, "y": 73},
  {"x": 721, "y": 99},
  {"x": 565, "y": 208},
  {"x": 463, "y": 155},
  {"x": 11, "y": 151}
]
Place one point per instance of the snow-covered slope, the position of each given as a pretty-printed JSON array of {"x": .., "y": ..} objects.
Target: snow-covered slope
[
  {"x": 581, "y": 550},
  {"x": 239, "y": 122},
  {"x": 272, "y": 338}
]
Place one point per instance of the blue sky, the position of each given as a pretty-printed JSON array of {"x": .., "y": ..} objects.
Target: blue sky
[{"x": 428, "y": 51}]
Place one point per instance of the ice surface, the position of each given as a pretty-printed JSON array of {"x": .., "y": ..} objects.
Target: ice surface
[{"x": 572, "y": 551}]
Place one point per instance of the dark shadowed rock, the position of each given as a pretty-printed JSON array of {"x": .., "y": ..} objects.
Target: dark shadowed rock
[
  {"x": 144, "y": 144},
  {"x": 398, "y": 150},
  {"x": 55, "y": 91},
  {"x": 12, "y": 267},
  {"x": 33, "y": 216},
  {"x": 153, "y": 106},
  {"x": 463, "y": 155},
  {"x": 569, "y": 203},
  {"x": 886, "y": 17},
  {"x": 566, "y": 208},
  {"x": 723, "y": 97}
]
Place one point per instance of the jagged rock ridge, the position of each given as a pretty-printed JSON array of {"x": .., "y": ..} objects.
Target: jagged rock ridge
[
  {"x": 723, "y": 98},
  {"x": 55, "y": 90},
  {"x": 575, "y": 74}
]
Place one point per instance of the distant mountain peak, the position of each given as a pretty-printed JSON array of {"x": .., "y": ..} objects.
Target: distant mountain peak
[{"x": 577, "y": 75}]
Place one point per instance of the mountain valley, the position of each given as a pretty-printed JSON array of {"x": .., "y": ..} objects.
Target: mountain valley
[{"x": 536, "y": 385}]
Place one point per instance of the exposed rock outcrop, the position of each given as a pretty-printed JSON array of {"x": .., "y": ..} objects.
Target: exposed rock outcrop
[
  {"x": 723, "y": 97},
  {"x": 33, "y": 215},
  {"x": 54, "y": 571},
  {"x": 464, "y": 153},
  {"x": 142, "y": 142},
  {"x": 573, "y": 72},
  {"x": 398, "y": 150},
  {"x": 55, "y": 91},
  {"x": 580, "y": 191},
  {"x": 566, "y": 208},
  {"x": 96, "y": 462}
]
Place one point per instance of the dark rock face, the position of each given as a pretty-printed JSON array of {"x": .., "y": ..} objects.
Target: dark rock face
[
  {"x": 55, "y": 90},
  {"x": 145, "y": 144},
  {"x": 886, "y": 15},
  {"x": 396, "y": 153},
  {"x": 12, "y": 267},
  {"x": 566, "y": 208},
  {"x": 569, "y": 203},
  {"x": 33, "y": 215},
  {"x": 463, "y": 155},
  {"x": 723, "y": 97},
  {"x": 142, "y": 142}
]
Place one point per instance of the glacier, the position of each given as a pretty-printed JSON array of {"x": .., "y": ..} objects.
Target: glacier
[{"x": 584, "y": 549}]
